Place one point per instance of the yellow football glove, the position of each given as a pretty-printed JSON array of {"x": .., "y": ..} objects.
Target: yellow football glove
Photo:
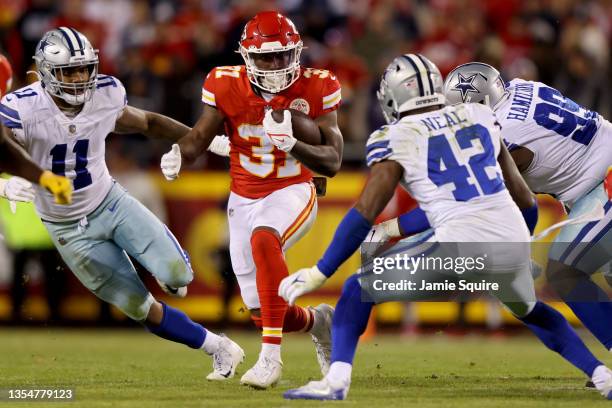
[{"x": 59, "y": 186}]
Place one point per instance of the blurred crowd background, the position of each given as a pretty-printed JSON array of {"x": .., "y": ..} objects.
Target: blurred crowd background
[{"x": 162, "y": 49}]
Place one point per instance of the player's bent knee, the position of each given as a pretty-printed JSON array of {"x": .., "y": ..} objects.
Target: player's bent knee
[
  {"x": 179, "y": 273},
  {"x": 137, "y": 308}
]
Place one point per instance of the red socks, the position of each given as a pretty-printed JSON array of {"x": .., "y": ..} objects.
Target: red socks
[
  {"x": 297, "y": 319},
  {"x": 276, "y": 316}
]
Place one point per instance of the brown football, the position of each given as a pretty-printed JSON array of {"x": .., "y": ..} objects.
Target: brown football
[{"x": 304, "y": 128}]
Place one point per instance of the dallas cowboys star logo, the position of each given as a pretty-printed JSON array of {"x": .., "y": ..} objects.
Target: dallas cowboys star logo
[
  {"x": 465, "y": 86},
  {"x": 44, "y": 44}
]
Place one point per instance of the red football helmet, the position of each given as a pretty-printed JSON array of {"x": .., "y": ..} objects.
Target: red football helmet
[
  {"x": 271, "y": 48},
  {"x": 6, "y": 75}
]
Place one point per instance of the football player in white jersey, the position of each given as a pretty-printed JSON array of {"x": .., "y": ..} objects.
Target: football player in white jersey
[
  {"x": 62, "y": 121},
  {"x": 451, "y": 160},
  {"x": 564, "y": 150},
  {"x": 13, "y": 160}
]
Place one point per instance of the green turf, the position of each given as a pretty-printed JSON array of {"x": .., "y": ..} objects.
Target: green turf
[{"x": 127, "y": 368}]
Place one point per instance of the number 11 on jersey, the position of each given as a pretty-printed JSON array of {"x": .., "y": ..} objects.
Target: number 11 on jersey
[{"x": 58, "y": 162}]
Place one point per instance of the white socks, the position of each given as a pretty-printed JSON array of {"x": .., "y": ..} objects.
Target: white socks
[
  {"x": 272, "y": 351},
  {"x": 211, "y": 343},
  {"x": 339, "y": 375}
]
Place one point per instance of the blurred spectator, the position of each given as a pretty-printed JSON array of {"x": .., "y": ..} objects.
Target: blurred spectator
[
  {"x": 162, "y": 49},
  {"x": 71, "y": 13}
]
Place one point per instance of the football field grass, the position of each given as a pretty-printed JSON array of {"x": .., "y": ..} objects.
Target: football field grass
[{"x": 128, "y": 368}]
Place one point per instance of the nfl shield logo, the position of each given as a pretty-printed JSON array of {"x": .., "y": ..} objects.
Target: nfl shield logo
[
  {"x": 72, "y": 128},
  {"x": 300, "y": 105}
]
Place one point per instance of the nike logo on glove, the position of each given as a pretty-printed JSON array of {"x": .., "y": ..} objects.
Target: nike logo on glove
[{"x": 297, "y": 280}]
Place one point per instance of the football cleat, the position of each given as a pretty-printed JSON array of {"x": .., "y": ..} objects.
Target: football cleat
[
  {"x": 264, "y": 374},
  {"x": 172, "y": 291},
  {"x": 318, "y": 390},
  {"x": 321, "y": 334},
  {"x": 225, "y": 360},
  {"x": 602, "y": 378}
]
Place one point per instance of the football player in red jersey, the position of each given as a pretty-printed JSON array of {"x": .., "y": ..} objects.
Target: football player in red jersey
[
  {"x": 14, "y": 160},
  {"x": 273, "y": 201}
]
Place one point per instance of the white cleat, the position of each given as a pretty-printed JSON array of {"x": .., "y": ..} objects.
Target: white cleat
[
  {"x": 321, "y": 335},
  {"x": 225, "y": 360},
  {"x": 318, "y": 390},
  {"x": 602, "y": 378},
  {"x": 264, "y": 374},
  {"x": 172, "y": 291}
]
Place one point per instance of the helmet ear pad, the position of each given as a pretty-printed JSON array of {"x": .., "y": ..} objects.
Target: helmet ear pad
[{"x": 62, "y": 49}]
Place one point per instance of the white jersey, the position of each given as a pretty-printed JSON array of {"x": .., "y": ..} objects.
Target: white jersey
[
  {"x": 449, "y": 157},
  {"x": 74, "y": 147},
  {"x": 572, "y": 146}
]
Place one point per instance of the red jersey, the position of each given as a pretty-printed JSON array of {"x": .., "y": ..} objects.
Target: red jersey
[{"x": 257, "y": 167}]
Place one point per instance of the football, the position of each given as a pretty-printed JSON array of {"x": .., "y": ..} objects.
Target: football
[{"x": 304, "y": 128}]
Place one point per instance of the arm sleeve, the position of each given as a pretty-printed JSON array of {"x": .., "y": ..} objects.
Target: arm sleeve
[
  {"x": 115, "y": 91},
  {"x": 390, "y": 143},
  {"x": 209, "y": 89},
  {"x": 349, "y": 235},
  {"x": 413, "y": 222},
  {"x": 378, "y": 146},
  {"x": 332, "y": 93}
]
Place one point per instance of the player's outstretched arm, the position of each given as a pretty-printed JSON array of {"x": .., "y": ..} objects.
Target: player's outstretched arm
[
  {"x": 518, "y": 188},
  {"x": 150, "y": 124},
  {"x": 349, "y": 234},
  {"x": 193, "y": 144}
]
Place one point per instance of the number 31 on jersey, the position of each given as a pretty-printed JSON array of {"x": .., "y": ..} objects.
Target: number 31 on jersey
[{"x": 262, "y": 161}]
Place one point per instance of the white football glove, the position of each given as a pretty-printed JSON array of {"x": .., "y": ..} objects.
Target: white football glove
[
  {"x": 384, "y": 231},
  {"x": 281, "y": 133},
  {"x": 17, "y": 189},
  {"x": 171, "y": 163},
  {"x": 303, "y": 281},
  {"x": 220, "y": 145}
]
